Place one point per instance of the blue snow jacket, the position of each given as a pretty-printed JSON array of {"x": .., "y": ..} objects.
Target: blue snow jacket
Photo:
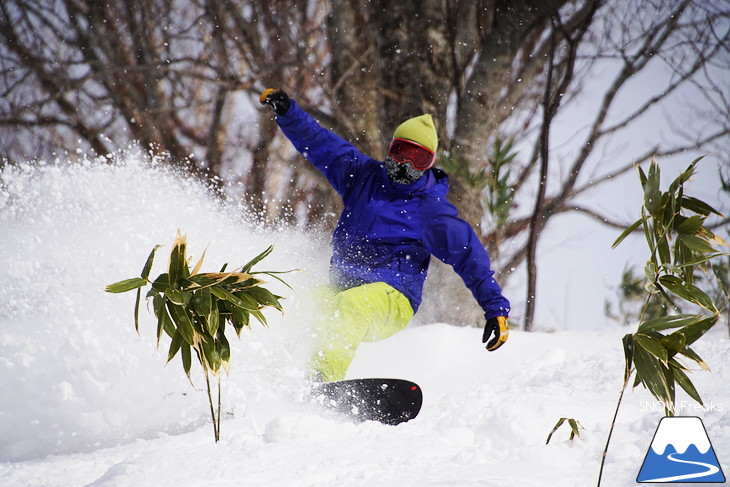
[{"x": 388, "y": 231}]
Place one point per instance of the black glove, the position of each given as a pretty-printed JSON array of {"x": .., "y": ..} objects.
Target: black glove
[
  {"x": 498, "y": 329},
  {"x": 278, "y": 100}
]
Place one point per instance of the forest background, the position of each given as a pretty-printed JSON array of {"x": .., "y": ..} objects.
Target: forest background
[{"x": 543, "y": 109}]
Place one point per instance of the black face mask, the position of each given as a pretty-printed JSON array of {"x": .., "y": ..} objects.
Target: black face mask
[{"x": 402, "y": 173}]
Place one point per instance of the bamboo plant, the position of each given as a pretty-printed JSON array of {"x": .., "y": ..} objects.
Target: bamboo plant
[
  {"x": 194, "y": 309},
  {"x": 680, "y": 246}
]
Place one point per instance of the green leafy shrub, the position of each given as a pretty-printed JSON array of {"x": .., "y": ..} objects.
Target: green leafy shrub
[
  {"x": 500, "y": 193},
  {"x": 494, "y": 178},
  {"x": 680, "y": 246},
  {"x": 494, "y": 182},
  {"x": 194, "y": 309}
]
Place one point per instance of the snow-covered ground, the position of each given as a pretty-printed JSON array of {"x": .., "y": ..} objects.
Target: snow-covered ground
[{"x": 85, "y": 401}]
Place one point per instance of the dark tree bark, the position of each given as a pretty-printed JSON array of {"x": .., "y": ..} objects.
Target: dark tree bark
[{"x": 182, "y": 77}]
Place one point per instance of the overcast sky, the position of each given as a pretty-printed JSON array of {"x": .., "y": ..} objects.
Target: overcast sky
[{"x": 578, "y": 269}]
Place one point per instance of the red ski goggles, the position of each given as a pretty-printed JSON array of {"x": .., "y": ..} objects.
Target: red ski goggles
[{"x": 402, "y": 151}]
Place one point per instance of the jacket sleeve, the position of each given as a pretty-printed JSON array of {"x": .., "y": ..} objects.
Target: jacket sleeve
[
  {"x": 452, "y": 240},
  {"x": 333, "y": 156}
]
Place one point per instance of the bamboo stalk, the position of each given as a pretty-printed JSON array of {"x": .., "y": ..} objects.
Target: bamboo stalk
[
  {"x": 610, "y": 431},
  {"x": 219, "y": 407},
  {"x": 216, "y": 430}
]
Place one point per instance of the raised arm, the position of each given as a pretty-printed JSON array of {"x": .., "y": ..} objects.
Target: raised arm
[{"x": 332, "y": 155}]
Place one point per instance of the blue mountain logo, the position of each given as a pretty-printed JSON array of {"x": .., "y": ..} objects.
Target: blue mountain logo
[{"x": 681, "y": 452}]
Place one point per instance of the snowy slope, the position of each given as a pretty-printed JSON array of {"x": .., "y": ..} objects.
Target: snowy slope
[{"x": 85, "y": 401}]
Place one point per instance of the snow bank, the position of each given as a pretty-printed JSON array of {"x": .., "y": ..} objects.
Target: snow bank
[
  {"x": 74, "y": 375},
  {"x": 84, "y": 401}
]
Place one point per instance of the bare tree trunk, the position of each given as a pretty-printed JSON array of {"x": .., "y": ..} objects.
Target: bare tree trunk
[
  {"x": 354, "y": 93},
  {"x": 551, "y": 103},
  {"x": 537, "y": 214},
  {"x": 98, "y": 76}
]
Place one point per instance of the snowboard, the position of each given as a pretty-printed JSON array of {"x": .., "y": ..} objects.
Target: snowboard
[{"x": 388, "y": 401}]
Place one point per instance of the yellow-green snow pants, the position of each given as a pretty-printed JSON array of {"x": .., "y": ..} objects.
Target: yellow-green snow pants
[{"x": 369, "y": 313}]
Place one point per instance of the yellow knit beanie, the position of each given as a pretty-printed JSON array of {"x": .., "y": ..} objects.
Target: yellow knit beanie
[{"x": 420, "y": 130}]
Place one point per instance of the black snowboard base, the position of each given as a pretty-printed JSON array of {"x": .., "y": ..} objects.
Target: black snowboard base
[{"x": 388, "y": 401}]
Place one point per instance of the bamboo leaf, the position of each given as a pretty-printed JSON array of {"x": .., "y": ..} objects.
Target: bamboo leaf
[
  {"x": 719, "y": 240},
  {"x": 178, "y": 297},
  {"x": 126, "y": 285},
  {"x": 239, "y": 299},
  {"x": 701, "y": 298},
  {"x": 698, "y": 206},
  {"x": 665, "y": 255},
  {"x": 684, "y": 382},
  {"x": 685, "y": 176},
  {"x": 691, "y": 225},
  {"x": 257, "y": 259},
  {"x": 668, "y": 322},
  {"x": 575, "y": 427},
  {"x": 694, "y": 331},
  {"x": 671, "y": 283},
  {"x": 650, "y": 371},
  {"x": 164, "y": 322},
  {"x": 136, "y": 310},
  {"x": 652, "y": 346},
  {"x": 177, "y": 341},
  {"x": 674, "y": 343},
  {"x": 265, "y": 297},
  {"x": 148, "y": 265},
  {"x": 213, "y": 319},
  {"x": 178, "y": 259},
  {"x": 260, "y": 317},
  {"x": 631, "y": 228},
  {"x": 649, "y": 235},
  {"x": 210, "y": 279},
  {"x": 239, "y": 317},
  {"x": 692, "y": 355},
  {"x": 702, "y": 260},
  {"x": 652, "y": 195},
  {"x": 215, "y": 314},
  {"x": 197, "y": 267},
  {"x": 642, "y": 176},
  {"x": 239, "y": 286},
  {"x": 187, "y": 359},
  {"x": 668, "y": 212},
  {"x": 274, "y": 275},
  {"x": 162, "y": 283},
  {"x": 158, "y": 305},
  {"x": 181, "y": 318},
  {"x": 555, "y": 428},
  {"x": 696, "y": 243},
  {"x": 211, "y": 355},
  {"x": 201, "y": 302},
  {"x": 689, "y": 292},
  {"x": 628, "y": 342},
  {"x": 224, "y": 351},
  {"x": 669, "y": 379}
]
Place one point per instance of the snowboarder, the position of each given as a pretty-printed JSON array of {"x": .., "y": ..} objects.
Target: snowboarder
[{"x": 395, "y": 217}]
